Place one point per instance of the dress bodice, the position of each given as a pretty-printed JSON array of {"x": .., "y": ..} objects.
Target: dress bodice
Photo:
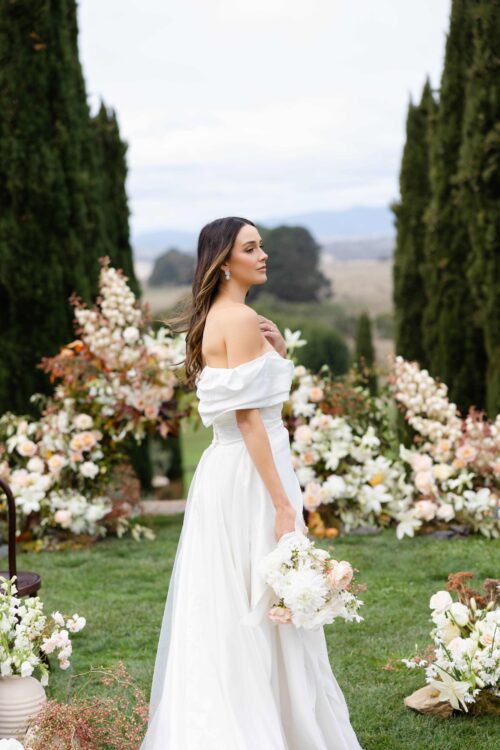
[{"x": 263, "y": 382}]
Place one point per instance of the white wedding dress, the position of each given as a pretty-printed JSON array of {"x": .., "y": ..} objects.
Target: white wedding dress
[{"x": 226, "y": 677}]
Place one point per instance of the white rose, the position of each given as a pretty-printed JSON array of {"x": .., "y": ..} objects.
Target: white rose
[
  {"x": 36, "y": 465},
  {"x": 83, "y": 421},
  {"x": 445, "y": 512},
  {"x": 440, "y": 601},
  {"x": 460, "y": 613},
  {"x": 335, "y": 485},
  {"x": 425, "y": 510},
  {"x": 89, "y": 469},
  {"x": 26, "y": 448},
  {"x": 442, "y": 471},
  {"x": 460, "y": 647}
]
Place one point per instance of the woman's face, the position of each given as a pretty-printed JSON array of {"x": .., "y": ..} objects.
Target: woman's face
[{"x": 247, "y": 260}]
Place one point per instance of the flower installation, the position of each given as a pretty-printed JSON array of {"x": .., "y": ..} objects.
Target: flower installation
[
  {"x": 312, "y": 588},
  {"x": 26, "y": 633},
  {"x": 115, "y": 382},
  {"x": 465, "y": 666},
  {"x": 343, "y": 454},
  {"x": 455, "y": 464},
  {"x": 354, "y": 471}
]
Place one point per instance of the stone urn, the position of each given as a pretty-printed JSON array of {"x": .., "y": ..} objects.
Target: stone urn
[{"x": 20, "y": 699}]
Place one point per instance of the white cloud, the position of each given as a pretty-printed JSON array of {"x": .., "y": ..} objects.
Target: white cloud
[{"x": 262, "y": 107}]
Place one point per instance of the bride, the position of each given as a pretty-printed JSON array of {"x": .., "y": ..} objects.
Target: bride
[{"x": 226, "y": 677}]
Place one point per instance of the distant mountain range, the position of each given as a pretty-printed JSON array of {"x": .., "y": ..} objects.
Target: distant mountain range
[{"x": 355, "y": 233}]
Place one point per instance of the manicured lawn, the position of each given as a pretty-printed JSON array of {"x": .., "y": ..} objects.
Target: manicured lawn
[{"x": 120, "y": 587}]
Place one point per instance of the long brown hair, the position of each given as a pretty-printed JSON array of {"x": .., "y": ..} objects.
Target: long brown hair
[{"x": 215, "y": 242}]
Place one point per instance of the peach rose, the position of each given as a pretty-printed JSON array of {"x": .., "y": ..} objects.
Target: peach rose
[
  {"x": 425, "y": 510},
  {"x": 303, "y": 434},
  {"x": 421, "y": 462},
  {"x": 466, "y": 453},
  {"x": 281, "y": 615},
  {"x": 340, "y": 575},
  {"x": 63, "y": 518},
  {"x": 26, "y": 448},
  {"x": 424, "y": 482},
  {"x": 315, "y": 393}
]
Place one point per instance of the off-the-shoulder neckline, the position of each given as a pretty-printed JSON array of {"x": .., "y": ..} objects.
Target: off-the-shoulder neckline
[{"x": 243, "y": 364}]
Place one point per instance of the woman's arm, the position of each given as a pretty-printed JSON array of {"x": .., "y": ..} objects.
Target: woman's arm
[{"x": 244, "y": 341}]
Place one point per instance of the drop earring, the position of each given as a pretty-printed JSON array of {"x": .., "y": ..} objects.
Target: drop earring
[{"x": 227, "y": 274}]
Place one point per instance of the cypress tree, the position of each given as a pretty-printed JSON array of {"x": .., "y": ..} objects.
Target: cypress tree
[
  {"x": 453, "y": 339},
  {"x": 364, "y": 351},
  {"x": 479, "y": 186},
  {"x": 408, "y": 284},
  {"x": 112, "y": 173},
  {"x": 52, "y": 224}
]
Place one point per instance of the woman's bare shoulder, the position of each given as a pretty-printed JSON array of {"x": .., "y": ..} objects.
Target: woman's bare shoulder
[{"x": 232, "y": 312}]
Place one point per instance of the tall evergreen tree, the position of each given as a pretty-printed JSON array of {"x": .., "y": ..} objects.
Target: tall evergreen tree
[
  {"x": 365, "y": 352},
  {"x": 479, "y": 186},
  {"x": 453, "y": 339},
  {"x": 111, "y": 177},
  {"x": 52, "y": 223},
  {"x": 408, "y": 284}
]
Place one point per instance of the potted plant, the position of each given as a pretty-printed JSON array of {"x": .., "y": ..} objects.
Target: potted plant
[{"x": 26, "y": 635}]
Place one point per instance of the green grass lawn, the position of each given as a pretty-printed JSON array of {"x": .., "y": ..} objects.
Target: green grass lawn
[{"x": 120, "y": 587}]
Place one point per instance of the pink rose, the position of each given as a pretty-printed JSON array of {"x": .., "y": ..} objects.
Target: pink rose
[
  {"x": 425, "y": 510},
  {"x": 340, "y": 576},
  {"x": 63, "y": 518},
  {"x": 424, "y": 482},
  {"x": 280, "y": 614},
  {"x": 421, "y": 462}
]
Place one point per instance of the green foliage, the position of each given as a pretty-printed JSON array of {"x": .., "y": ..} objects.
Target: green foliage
[
  {"x": 364, "y": 351},
  {"x": 293, "y": 265},
  {"x": 172, "y": 268},
  {"x": 110, "y": 182},
  {"x": 478, "y": 191},
  {"x": 57, "y": 204},
  {"x": 452, "y": 337},
  {"x": 324, "y": 347},
  {"x": 414, "y": 188}
]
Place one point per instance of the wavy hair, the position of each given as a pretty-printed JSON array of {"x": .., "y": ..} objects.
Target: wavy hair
[{"x": 215, "y": 242}]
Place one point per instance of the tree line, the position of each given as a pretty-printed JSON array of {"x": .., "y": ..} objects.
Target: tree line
[
  {"x": 447, "y": 256},
  {"x": 62, "y": 192}
]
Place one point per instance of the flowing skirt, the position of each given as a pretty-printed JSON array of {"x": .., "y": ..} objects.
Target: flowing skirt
[{"x": 226, "y": 677}]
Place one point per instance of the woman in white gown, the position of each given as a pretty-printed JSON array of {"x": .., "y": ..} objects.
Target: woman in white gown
[{"x": 226, "y": 677}]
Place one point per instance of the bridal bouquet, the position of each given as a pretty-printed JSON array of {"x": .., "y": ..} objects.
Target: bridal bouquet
[
  {"x": 312, "y": 588},
  {"x": 25, "y": 633}
]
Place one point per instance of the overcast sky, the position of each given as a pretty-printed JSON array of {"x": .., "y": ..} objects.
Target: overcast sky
[{"x": 259, "y": 107}]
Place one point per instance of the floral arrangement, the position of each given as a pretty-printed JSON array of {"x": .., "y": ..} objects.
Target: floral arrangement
[
  {"x": 465, "y": 665},
  {"x": 116, "y": 719},
  {"x": 26, "y": 634},
  {"x": 117, "y": 380},
  {"x": 455, "y": 465},
  {"x": 343, "y": 454},
  {"x": 312, "y": 588}
]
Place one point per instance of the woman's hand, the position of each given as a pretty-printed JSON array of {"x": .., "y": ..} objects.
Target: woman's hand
[
  {"x": 272, "y": 334},
  {"x": 284, "y": 521}
]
